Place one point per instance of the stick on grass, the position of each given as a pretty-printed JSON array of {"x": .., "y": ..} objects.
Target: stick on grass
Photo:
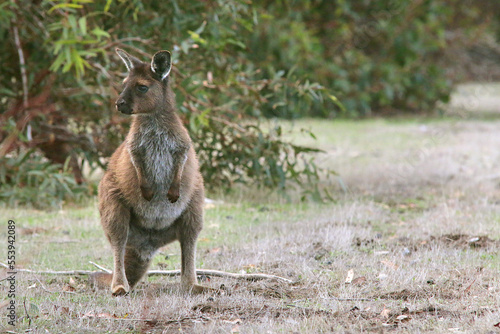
[
  {"x": 100, "y": 267},
  {"x": 216, "y": 273}
]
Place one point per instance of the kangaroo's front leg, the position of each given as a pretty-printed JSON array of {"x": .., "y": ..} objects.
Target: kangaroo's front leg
[
  {"x": 179, "y": 162},
  {"x": 146, "y": 190}
]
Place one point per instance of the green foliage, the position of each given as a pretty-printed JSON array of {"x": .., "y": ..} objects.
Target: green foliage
[
  {"x": 258, "y": 158},
  {"x": 396, "y": 54},
  {"x": 29, "y": 179},
  {"x": 376, "y": 56},
  {"x": 71, "y": 36}
]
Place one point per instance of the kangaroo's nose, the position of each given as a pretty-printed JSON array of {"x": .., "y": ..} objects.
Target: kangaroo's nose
[{"x": 123, "y": 107}]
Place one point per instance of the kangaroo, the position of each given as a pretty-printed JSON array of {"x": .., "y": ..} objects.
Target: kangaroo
[{"x": 152, "y": 192}]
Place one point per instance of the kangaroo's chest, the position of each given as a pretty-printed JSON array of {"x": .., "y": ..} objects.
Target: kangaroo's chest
[{"x": 154, "y": 151}]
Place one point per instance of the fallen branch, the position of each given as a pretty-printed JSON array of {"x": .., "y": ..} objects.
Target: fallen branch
[
  {"x": 216, "y": 273},
  {"x": 100, "y": 267},
  {"x": 50, "y": 272},
  {"x": 47, "y": 290}
]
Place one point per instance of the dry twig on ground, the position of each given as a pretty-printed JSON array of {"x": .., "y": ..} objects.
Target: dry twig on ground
[{"x": 217, "y": 273}]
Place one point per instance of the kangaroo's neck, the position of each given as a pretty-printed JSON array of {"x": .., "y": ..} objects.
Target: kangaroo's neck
[
  {"x": 158, "y": 128},
  {"x": 163, "y": 119},
  {"x": 152, "y": 129},
  {"x": 158, "y": 120}
]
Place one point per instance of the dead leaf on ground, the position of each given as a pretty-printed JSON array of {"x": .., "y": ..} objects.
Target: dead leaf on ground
[
  {"x": 350, "y": 276},
  {"x": 385, "y": 313},
  {"x": 72, "y": 282},
  {"x": 69, "y": 288},
  {"x": 402, "y": 317},
  {"x": 359, "y": 280}
]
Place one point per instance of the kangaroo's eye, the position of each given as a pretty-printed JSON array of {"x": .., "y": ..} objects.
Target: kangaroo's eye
[{"x": 142, "y": 88}]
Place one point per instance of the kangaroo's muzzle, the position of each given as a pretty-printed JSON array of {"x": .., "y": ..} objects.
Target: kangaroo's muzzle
[{"x": 123, "y": 107}]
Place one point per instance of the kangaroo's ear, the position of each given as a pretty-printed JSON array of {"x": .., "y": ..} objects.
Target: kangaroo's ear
[
  {"x": 130, "y": 61},
  {"x": 161, "y": 64}
]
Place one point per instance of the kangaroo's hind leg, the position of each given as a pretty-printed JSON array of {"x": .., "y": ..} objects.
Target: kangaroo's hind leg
[
  {"x": 115, "y": 220},
  {"x": 136, "y": 265},
  {"x": 190, "y": 225}
]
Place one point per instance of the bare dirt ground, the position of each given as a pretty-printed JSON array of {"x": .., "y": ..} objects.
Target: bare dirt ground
[{"x": 409, "y": 246}]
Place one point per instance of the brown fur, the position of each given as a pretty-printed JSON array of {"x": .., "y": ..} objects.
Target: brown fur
[{"x": 152, "y": 193}]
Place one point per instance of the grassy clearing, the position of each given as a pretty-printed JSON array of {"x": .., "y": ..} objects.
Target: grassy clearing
[{"x": 416, "y": 230}]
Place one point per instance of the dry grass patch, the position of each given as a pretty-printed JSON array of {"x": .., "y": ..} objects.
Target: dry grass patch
[{"x": 412, "y": 246}]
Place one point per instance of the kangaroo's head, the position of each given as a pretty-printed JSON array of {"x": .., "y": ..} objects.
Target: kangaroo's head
[{"x": 145, "y": 87}]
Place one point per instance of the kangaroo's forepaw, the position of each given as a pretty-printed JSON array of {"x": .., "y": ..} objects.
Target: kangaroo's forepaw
[
  {"x": 147, "y": 193},
  {"x": 173, "y": 195}
]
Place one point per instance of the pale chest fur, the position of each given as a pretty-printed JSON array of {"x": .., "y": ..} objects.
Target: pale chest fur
[{"x": 154, "y": 149}]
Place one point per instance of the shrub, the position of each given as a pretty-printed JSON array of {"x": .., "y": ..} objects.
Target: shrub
[
  {"x": 29, "y": 179},
  {"x": 375, "y": 56}
]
